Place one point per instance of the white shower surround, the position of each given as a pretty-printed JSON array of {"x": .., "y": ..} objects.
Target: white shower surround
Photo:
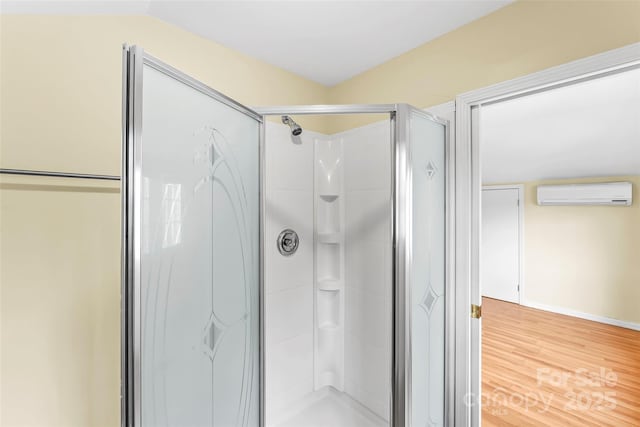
[
  {"x": 329, "y": 229},
  {"x": 328, "y": 335}
]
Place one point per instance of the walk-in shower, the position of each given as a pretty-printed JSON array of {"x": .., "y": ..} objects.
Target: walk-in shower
[{"x": 274, "y": 277}]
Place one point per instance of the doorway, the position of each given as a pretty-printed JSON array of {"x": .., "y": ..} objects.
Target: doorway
[{"x": 471, "y": 109}]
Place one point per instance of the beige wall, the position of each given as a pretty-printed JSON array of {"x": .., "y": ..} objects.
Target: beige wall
[
  {"x": 61, "y": 85},
  {"x": 60, "y": 100},
  {"x": 517, "y": 40},
  {"x": 60, "y": 75},
  {"x": 583, "y": 258},
  {"x": 59, "y": 303}
]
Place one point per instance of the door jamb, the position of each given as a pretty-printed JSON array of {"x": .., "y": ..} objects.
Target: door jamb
[{"x": 468, "y": 187}]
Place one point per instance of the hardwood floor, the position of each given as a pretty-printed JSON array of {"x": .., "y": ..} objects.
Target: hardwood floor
[{"x": 546, "y": 369}]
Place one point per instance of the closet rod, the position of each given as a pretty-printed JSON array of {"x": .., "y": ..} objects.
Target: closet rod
[{"x": 58, "y": 174}]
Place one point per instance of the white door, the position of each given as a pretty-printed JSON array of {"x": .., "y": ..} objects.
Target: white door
[{"x": 500, "y": 251}]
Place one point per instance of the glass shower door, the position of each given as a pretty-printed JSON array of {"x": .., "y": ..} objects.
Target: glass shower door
[
  {"x": 422, "y": 227},
  {"x": 191, "y": 260}
]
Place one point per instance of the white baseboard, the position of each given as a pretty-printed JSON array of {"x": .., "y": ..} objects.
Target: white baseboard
[{"x": 582, "y": 315}]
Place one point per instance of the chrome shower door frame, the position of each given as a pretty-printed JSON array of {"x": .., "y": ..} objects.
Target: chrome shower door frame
[
  {"x": 134, "y": 59},
  {"x": 401, "y": 171},
  {"x": 403, "y": 259}
]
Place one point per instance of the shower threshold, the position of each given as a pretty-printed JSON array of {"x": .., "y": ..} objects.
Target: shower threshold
[{"x": 330, "y": 408}]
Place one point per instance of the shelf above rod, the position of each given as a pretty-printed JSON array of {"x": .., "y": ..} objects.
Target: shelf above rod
[{"x": 58, "y": 174}]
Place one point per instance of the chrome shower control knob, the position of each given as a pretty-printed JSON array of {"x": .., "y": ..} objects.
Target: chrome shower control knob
[{"x": 288, "y": 242}]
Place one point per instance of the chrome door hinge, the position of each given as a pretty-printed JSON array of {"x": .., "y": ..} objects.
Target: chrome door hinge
[{"x": 476, "y": 311}]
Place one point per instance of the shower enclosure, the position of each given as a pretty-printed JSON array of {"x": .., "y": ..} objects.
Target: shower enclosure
[{"x": 277, "y": 276}]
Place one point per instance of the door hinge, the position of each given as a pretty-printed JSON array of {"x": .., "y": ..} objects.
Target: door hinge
[{"x": 476, "y": 311}]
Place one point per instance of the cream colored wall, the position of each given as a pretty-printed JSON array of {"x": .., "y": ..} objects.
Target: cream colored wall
[
  {"x": 517, "y": 40},
  {"x": 60, "y": 109},
  {"x": 60, "y": 100},
  {"x": 583, "y": 258},
  {"x": 59, "y": 303},
  {"x": 61, "y": 85}
]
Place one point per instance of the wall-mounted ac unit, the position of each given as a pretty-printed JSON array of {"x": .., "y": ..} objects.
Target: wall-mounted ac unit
[{"x": 608, "y": 193}]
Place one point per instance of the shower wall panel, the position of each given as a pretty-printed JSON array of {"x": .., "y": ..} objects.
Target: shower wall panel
[
  {"x": 288, "y": 280},
  {"x": 367, "y": 153},
  {"x": 353, "y": 295}
]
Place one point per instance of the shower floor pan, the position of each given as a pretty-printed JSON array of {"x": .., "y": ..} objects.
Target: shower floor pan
[{"x": 330, "y": 408}]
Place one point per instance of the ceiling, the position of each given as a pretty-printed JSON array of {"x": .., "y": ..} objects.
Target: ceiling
[
  {"x": 586, "y": 130},
  {"x": 326, "y": 41}
]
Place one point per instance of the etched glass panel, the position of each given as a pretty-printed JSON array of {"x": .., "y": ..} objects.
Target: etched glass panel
[
  {"x": 199, "y": 260},
  {"x": 427, "y": 145}
]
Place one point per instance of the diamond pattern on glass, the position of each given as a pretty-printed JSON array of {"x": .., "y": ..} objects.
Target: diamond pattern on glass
[
  {"x": 213, "y": 333},
  {"x": 431, "y": 169},
  {"x": 428, "y": 301}
]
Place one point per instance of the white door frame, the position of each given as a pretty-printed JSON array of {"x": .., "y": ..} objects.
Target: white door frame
[
  {"x": 520, "y": 188},
  {"x": 467, "y": 207}
]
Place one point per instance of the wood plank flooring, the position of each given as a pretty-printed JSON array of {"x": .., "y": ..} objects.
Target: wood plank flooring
[{"x": 546, "y": 369}]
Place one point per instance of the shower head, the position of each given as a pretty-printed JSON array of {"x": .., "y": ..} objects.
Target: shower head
[{"x": 295, "y": 128}]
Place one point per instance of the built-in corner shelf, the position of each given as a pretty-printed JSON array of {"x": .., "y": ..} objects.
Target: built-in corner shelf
[
  {"x": 330, "y": 238},
  {"x": 329, "y": 285},
  {"x": 329, "y": 326},
  {"x": 329, "y": 264},
  {"x": 329, "y": 197}
]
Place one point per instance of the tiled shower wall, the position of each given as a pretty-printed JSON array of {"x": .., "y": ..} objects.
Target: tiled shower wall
[
  {"x": 288, "y": 280},
  {"x": 367, "y": 175}
]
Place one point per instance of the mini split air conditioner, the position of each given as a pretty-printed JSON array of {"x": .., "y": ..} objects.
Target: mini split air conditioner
[{"x": 608, "y": 194}]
